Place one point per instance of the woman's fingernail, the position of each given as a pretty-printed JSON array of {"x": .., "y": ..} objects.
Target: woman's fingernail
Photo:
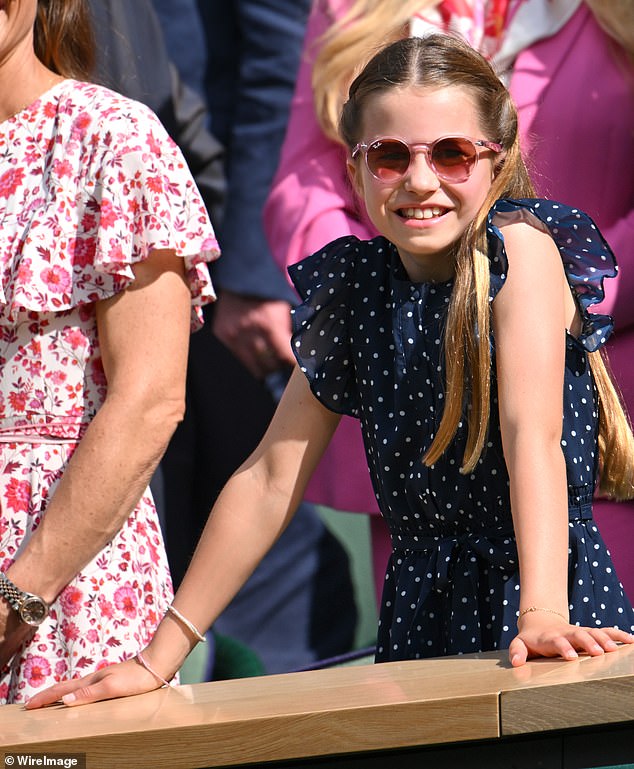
[{"x": 67, "y": 699}]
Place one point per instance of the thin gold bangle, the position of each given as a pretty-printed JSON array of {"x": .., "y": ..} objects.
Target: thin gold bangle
[
  {"x": 540, "y": 608},
  {"x": 199, "y": 636}
]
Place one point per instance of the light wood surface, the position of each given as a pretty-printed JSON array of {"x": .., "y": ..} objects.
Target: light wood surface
[
  {"x": 587, "y": 692},
  {"x": 320, "y": 713}
]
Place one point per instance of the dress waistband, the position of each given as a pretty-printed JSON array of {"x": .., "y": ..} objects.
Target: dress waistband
[
  {"x": 578, "y": 510},
  {"x": 33, "y": 439},
  {"x": 46, "y": 432}
]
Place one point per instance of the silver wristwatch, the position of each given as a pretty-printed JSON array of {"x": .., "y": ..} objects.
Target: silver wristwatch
[{"x": 32, "y": 609}]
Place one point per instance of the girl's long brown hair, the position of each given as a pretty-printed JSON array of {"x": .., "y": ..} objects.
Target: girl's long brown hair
[
  {"x": 439, "y": 61},
  {"x": 64, "y": 39}
]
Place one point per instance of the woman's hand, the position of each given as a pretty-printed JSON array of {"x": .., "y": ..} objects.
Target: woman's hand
[
  {"x": 121, "y": 680},
  {"x": 544, "y": 635}
]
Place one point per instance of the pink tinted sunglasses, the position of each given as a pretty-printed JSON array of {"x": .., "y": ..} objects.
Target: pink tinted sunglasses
[{"x": 452, "y": 158}]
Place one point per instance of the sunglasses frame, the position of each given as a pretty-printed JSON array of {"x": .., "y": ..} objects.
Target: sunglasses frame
[{"x": 428, "y": 149}]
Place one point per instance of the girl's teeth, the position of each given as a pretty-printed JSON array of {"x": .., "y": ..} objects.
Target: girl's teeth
[{"x": 422, "y": 213}]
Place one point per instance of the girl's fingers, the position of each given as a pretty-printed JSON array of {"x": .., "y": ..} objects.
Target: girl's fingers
[
  {"x": 621, "y": 636},
  {"x": 518, "y": 653},
  {"x": 604, "y": 639},
  {"x": 567, "y": 642},
  {"x": 55, "y": 693},
  {"x": 563, "y": 647},
  {"x": 596, "y": 641},
  {"x": 120, "y": 680},
  {"x": 609, "y": 638},
  {"x": 107, "y": 689}
]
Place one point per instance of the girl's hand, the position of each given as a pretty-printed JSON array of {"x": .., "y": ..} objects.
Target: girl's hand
[
  {"x": 121, "y": 680},
  {"x": 545, "y": 635}
]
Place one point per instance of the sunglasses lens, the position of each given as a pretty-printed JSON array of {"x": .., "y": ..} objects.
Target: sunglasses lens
[
  {"x": 388, "y": 160},
  {"x": 454, "y": 158}
]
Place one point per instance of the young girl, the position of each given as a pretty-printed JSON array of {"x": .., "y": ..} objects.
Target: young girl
[
  {"x": 453, "y": 338},
  {"x": 567, "y": 64}
]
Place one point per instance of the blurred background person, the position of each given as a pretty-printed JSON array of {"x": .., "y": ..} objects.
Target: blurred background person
[{"x": 131, "y": 57}]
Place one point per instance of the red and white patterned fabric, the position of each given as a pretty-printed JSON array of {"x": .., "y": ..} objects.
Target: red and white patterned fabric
[
  {"x": 480, "y": 22},
  {"x": 498, "y": 29},
  {"x": 90, "y": 183}
]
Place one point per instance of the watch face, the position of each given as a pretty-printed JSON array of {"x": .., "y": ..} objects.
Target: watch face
[{"x": 33, "y": 610}]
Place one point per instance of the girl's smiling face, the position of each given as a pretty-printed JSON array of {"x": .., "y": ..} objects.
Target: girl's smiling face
[{"x": 420, "y": 114}]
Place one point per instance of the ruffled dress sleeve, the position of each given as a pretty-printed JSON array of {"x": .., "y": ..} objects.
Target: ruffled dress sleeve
[
  {"x": 105, "y": 186},
  {"x": 325, "y": 282},
  {"x": 586, "y": 256}
]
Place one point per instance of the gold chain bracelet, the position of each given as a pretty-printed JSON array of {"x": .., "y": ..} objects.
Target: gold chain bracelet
[{"x": 540, "y": 608}]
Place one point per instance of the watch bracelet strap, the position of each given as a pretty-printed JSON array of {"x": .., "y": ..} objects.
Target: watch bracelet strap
[{"x": 11, "y": 592}]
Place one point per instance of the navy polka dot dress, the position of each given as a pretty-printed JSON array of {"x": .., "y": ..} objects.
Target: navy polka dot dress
[{"x": 370, "y": 342}]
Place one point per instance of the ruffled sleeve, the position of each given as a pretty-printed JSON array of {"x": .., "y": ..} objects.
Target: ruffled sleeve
[
  {"x": 113, "y": 187},
  {"x": 148, "y": 200},
  {"x": 586, "y": 257},
  {"x": 325, "y": 282}
]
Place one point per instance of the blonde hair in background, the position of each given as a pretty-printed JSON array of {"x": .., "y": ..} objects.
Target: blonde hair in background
[
  {"x": 345, "y": 48},
  {"x": 442, "y": 61},
  {"x": 616, "y": 17},
  {"x": 369, "y": 25}
]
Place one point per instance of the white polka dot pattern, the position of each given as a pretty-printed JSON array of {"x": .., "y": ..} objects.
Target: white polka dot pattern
[{"x": 370, "y": 343}]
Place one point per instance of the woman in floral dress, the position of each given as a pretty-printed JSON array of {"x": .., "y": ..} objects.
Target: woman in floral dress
[{"x": 102, "y": 246}]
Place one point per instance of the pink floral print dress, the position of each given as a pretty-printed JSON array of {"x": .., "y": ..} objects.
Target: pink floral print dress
[{"x": 90, "y": 183}]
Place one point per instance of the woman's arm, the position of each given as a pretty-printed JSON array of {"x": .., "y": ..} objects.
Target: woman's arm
[
  {"x": 250, "y": 514},
  {"x": 530, "y": 368},
  {"x": 143, "y": 335}
]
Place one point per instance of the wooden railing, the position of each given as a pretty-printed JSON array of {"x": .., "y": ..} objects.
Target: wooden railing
[{"x": 462, "y": 703}]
